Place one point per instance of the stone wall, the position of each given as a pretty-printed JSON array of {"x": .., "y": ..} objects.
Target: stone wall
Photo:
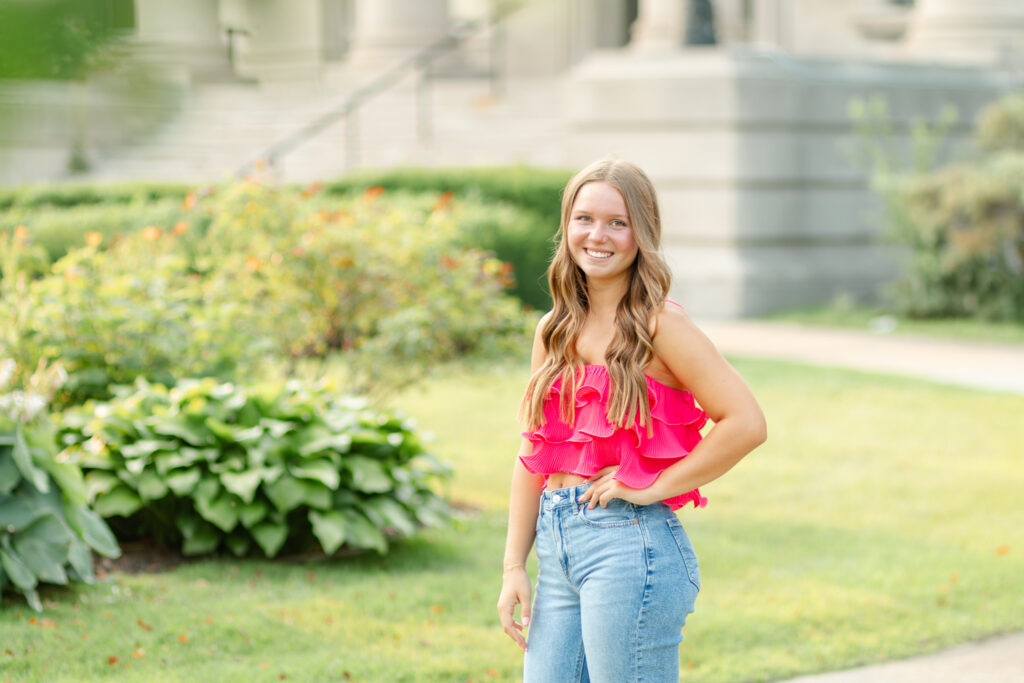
[{"x": 764, "y": 203}]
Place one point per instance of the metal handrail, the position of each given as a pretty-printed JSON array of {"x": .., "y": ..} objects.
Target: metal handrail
[{"x": 421, "y": 61}]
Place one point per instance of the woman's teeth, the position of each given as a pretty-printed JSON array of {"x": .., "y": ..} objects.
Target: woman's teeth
[{"x": 598, "y": 254}]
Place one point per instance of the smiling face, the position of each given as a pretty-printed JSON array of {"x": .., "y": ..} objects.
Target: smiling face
[{"x": 599, "y": 234}]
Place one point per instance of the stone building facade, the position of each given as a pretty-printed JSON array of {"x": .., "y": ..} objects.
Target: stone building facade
[{"x": 748, "y": 139}]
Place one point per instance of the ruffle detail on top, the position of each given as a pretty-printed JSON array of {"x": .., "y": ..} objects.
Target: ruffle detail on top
[{"x": 593, "y": 443}]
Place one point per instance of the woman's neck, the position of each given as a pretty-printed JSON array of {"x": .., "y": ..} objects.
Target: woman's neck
[{"x": 604, "y": 297}]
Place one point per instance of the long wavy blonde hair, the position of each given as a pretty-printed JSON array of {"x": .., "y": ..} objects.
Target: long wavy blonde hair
[{"x": 631, "y": 348}]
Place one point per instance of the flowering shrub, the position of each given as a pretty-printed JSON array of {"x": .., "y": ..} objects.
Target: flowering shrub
[
  {"x": 206, "y": 466},
  {"x": 252, "y": 273},
  {"x": 965, "y": 226},
  {"x": 47, "y": 532}
]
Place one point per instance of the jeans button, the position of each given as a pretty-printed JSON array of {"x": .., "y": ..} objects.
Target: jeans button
[{"x": 555, "y": 498}]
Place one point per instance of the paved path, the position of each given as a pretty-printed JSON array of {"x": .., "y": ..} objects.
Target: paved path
[
  {"x": 973, "y": 364},
  {"x": 976, "y": 364}
]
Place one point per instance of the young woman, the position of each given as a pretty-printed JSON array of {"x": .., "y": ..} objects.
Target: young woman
[{"x": 614, "y": 446}]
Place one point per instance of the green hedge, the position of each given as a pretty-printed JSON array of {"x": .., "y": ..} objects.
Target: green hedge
[
  {"x": 527, "y": 245},
  {"x": 82, "y": 194},
  {"x": 523, "y": 202},
  {"x": 964, "y": 224},
  {"x": 207, "y": 466}
]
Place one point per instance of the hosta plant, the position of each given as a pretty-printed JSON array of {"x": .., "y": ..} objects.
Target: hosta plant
[
  {"x": 47, "y": 532},
  {"x": 213, "y": 466}
]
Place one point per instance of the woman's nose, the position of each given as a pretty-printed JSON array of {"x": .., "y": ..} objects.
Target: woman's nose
[{"x": 599, "y": 232}]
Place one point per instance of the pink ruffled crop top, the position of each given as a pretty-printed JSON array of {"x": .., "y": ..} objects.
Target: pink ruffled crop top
[{"x": 593, "y": 443}]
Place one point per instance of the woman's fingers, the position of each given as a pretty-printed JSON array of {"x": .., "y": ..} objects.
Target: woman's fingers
[{"x": 516, "y": 591}]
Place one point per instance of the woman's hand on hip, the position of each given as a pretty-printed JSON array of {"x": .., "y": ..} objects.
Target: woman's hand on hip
[
  {"x": 515, "y": 590},
  {"x": 604, "y": 487}
]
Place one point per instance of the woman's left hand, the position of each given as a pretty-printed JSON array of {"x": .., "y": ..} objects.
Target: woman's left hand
[{"x": 604, "y": 487}]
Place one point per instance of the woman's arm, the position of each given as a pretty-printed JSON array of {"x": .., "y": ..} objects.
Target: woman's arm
[
  {"x": 739, "y": 422},
  {"x": 522, "y": 523}
]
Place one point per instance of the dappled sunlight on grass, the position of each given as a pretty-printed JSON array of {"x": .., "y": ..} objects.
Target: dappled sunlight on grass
[{"x": 881, "y": 519}]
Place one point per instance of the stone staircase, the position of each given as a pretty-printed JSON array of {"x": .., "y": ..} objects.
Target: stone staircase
[{"x": 221, "y": 126}]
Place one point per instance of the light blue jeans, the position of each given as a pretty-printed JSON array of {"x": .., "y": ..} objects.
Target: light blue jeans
[{"x": 613, "y": 591}]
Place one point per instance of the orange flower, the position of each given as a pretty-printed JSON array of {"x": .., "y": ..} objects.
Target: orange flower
[
  {"x": 93, "y": 239},
  {"x": 180, "y": 228},
  {"x": 253, "y": 263},
  {"x": 190, "y": 200},
  {"x": 373, "y": 192},
  {"x": 443, "y": 201},
  {"x": 312, "y": 189},
  {"x": 151, "y": 233},
  {"x": 21, "y": 232}
]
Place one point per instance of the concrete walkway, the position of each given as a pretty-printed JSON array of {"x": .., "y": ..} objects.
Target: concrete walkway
[
  {"x": 983, "y": 365},
  {"x": 973, "y": 364}
]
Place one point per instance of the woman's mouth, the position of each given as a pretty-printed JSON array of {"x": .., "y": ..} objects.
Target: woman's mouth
[{"x": 597, "y": 254}]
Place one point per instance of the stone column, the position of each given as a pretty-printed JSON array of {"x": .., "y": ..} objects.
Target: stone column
[
  {"x": 282, "y": 39},
  {"x": 970, "y": 31},
  {"x": 772, "y": 23},
  {"x": 660, "y": 26},
  {"x": 387, "y": 31},
  {"x": 184, "y": 35}
]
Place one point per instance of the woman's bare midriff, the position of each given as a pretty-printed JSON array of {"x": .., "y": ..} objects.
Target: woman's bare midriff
[{"x": 564, "y": 480}]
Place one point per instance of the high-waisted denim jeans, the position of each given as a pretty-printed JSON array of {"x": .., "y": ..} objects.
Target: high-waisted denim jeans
[{"x": 613, "y": 591}]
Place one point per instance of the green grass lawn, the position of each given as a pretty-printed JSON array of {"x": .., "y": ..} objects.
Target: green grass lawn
[
  {"x": 881, "y": 519},
  {"x": 866, "y": 318}
]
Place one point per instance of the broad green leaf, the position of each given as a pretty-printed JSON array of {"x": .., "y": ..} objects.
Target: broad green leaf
[
  {"x": 119, "y": 500},
  {"x": 204, "y": 541},
  {"x": 186, "y": 429},
  {"x": 151, "y": 486},
  {"x": 98, "y": 482},
  {"x": 80, "y": 559},
  {"x": 23, "y": 460},
  {"x": 183, "y": 457},
  {"x": 135, "y": 465},
  {"x": 329, "y": 529},
  {"x": 252, "y": 513},
  {"x": 221, "y": 511},
  {"x": 320, "y": 470},
  {"x": 145, "y": 447},
  {"x": 96, "y": 533},
  {"x": 44, "y": 547},
  {"x": 361, "y": 533},
  {"x": 277, "y": 428},
  {"x": 9, "y": 473},
  {"x": 368, "y": 475},
  {"x": 431, "y": 511},
  {"x": 68, "y": 478},
  {"x": 243, "y": 484},
  {"x": 286, "y": 493},
  {"x": 222, "y": 430},
  {"x": 270, "y": 536},
  {"x": 200, "y": 537},
  {"x": 183, "y": 482},
  {"x": 21, "y": 576},
  {"x": 324, "y": 441},
  {"x": 231, "y": 463},
  {"x": 238, "y": 544},
  {"x": 206, "y": 490},
  {"x": 387, "y": 512},
  {"x": 19, "y": 511}
]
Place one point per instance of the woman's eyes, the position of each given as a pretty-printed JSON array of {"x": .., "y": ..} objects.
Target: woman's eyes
[{"x": 614, "y": 223}]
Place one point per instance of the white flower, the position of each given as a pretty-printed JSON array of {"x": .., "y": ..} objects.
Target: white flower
[
  {"x": 21, "y": 406},
  {"x": 6, "y": 372}
]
